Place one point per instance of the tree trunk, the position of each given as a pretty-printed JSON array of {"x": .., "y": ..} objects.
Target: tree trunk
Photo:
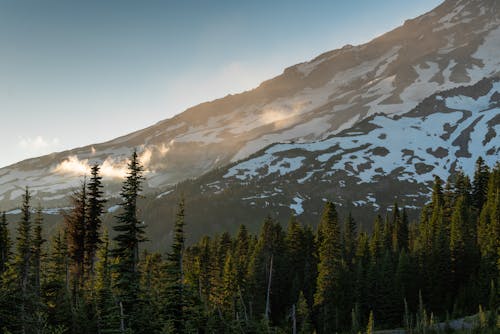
[{"x": 266, "y": 315}]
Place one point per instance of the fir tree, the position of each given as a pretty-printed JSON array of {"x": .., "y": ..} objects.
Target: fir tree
[
  {"x": 108, "y": 312},
  {"x": 55, "y": 288},
  {"x": 24, "y": 243},
  {"x": 129, "y": 234},
  {"x": 22, "y": 263},
  {"x": 5, "y": 243},
  {"x": 295, "y": 248},
  {"x": 175, "y": 299},
  {"x": 242, "y": 256},
  {"x": 310, "y": 267},
  {"x": 349, "y": 240},
  {"x": 480, "y": 184},
  {"x": 38, "y": 242},
  {"x": 229, "y": 287},
  {"x": 326, "y": 299},
  {"x": 377, "y": 239},
  {"x": 95, "y": 208},
  {"x": 75, "y": 222},
  {"x": 463, "y": 243},
  {"x": 267, "y": 273}
]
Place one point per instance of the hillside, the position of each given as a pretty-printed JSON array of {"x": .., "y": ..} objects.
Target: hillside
[
  {"x": 380, "y": 160},
  {"x": 453, "y": 45}
]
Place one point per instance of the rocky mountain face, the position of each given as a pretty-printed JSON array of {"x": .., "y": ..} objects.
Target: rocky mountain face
[{"x": 374, "y": 84}]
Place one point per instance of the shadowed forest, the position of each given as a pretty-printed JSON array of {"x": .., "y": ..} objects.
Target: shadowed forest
[{"x": 330, "y": 278}]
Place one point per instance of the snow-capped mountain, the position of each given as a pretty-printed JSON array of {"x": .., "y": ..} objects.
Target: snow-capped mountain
[
  {"x": 461, "y": 125},
  {"x": 384, "y": 158},
  {"x": 455, "y": 44}
]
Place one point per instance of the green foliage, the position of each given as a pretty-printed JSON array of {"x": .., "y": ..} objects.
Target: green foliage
[
  {"x": 93, "y": 222},
  {"x": 129, "y": 234},
  {"x": 327, "y": 300},
  {"x": 5, "y": 243},
  {"x": 338, "y": 279},
  {"x": 75, "y": 221}
]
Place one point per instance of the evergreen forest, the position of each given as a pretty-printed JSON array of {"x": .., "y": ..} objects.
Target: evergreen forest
[{"x": 301, "y": 277}]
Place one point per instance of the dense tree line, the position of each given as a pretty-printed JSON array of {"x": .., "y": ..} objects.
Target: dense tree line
[{"x": 334, "y": 278}]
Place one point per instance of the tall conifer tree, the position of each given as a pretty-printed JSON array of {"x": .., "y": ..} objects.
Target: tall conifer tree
[
  {"x": 5, "y": 243},
  {"x": 326, "y": 298},
  {"x": 75, "y": 221},
  {"x": 38, "y": 242},
  {"x": 129, "y": 234},
  {"x": 480, "y": 184},
  {"x": 95, "y": 208},
  {"x": 22, "y": 261},
  {"x": 175, "y": 294}
]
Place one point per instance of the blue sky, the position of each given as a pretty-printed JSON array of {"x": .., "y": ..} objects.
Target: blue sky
[{"x": 74, "y": 73}]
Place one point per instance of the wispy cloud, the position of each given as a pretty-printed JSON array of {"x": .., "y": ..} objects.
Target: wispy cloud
[{"x": 110, "y": 168}]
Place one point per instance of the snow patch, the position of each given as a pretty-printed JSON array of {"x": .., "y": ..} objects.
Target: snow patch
[{"x": 297, "y": 205}]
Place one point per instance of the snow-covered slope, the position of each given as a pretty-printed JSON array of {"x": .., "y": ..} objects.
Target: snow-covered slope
[
  {"x": 455, "y": 44},
  {"x": 382, "y": 159},
  {"x": 413, "y": 147}
]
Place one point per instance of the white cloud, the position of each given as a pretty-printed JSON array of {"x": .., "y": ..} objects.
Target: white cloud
[
  {"x": 74, "y": 166},
  {"x": 110, "y": 168}
]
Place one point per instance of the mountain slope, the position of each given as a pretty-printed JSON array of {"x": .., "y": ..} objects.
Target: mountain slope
[
  {"x": 454, "y": 44},
  {"x": 382, "y": 159}
]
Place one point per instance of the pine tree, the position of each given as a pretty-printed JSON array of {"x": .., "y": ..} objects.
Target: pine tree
[
  {"x": 438, "y": 264},
  {"x": 463, "y": 188},
  {"x": 152, "y": 269},
  {"x": 363, "y": 258},
  {"x": 175, "y": 299},
  {"x": 75, "y": 222},
  {"x": 462, "y": 244},
  {"x": 95, "y": 208},
  {"x": 403, "y": 232},
  {"x": 108, "y": 312},
  {"x": 55, "y": 288},
  {"x": 406, "y": 284},
  {"x": 129, "y": 234},
  {"x": 326, "y": 299},
  {"x": 22, "y": 263},
  {"x": 377, "y": 239},
  {"x": 229, "y": 287},
  {"x": 38, "y": 242},
  {"x": 24, "y": 242},
  {"x": 437, "y": 193},
  {"x": 480, "y": 184},
  {"x": 267, "y": 273},
  {"x": 295, "y": 244},
  {"x": 349, "y": 240},
  {"x": 204, "y": 280},
  {"x": 488, "y": 232},
  {"x": 304, "y": 321},
  {"x": 5, "y": 243},
  {"x": 242, "y": 256},
  {"x": 348, "y": 277},
  {"x": 388, "y": 302},
  {"x": 310, "y": 267}
]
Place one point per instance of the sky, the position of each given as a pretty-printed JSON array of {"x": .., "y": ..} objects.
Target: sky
[{"x": 74, "y": 73}]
